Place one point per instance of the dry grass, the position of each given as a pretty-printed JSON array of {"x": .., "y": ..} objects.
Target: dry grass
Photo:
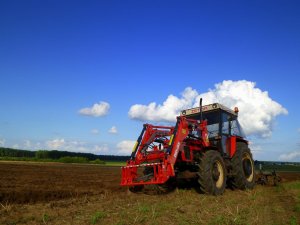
[
  {"x": 6, "y": 207},
  {"x": 110, "y": 204},
  {"x": 263, "y": 205}
]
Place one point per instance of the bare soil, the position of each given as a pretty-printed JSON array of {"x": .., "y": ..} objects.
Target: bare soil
[
  {"x": 54, "y": 193},
  {"x": 41, "y": 182}
]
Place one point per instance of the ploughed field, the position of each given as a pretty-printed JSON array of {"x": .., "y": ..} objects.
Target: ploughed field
[
  {"x": 54, "y": 193},
  {"x": 41, "y": 182}
]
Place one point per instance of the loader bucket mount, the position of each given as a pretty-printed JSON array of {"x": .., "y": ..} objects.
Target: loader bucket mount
[{"x": 148, "y": 163}]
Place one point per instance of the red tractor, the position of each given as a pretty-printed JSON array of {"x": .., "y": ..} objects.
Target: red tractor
[{"x": 207, "y": 142}]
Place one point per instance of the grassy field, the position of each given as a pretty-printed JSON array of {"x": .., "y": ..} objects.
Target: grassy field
[
  {"x": 272, "y": 205},
  {"x": 291, "y": 168},
  {"x": 110, "y": 163},
  {"x": 56, "y": 193}
]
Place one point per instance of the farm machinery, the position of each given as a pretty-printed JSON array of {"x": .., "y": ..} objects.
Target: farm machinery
[
  {"x": 267, "y": 177},
  {"x": 207, "y": 142}
]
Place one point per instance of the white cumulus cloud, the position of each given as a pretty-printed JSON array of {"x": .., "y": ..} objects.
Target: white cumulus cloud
[
  {"x": 257, "y": 110},
  {"x": 290, "y": 156},
  {"x": 37, "y": 145},
  {"x": 113, "y": 130},
  {"x": 2, "y": 142},
  {"x": 16, "y": 146},
  {"x": 95, "y": 131},
  {"x": 76, "y": 146},
  {"x": 97, "y": 110},
  {"x": 56, "y": 144},
  {"x": 167, "y": 111},
  {"x": 125, "y": 147},
  {"x": 255, "y": 149},
  {"x": 27, "y": 144},
  {"x": 99, "y": 149}
]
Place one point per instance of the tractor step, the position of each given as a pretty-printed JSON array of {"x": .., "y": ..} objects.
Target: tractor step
[{"x": 147, "y": 173}]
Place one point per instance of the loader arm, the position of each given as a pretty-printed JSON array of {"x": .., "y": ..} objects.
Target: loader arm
[
  {"x": 150, "y": 151},
  {"x": 157, "y": 149},
  {"x": 182, "y": 131}
]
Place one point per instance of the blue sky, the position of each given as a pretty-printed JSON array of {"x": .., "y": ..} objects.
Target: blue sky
[{"x": 58, "y": 57}]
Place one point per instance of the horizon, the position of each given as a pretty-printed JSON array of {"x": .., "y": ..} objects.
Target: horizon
[{"x": 129, "y": 155}]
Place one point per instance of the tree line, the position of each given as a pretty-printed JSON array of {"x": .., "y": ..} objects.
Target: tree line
[{"x": 55, "y": 154}]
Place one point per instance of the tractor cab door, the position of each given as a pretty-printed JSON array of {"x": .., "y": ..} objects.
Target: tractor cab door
[
  {"x": 219, "y": 128},
  {"x": 213, "y": 126},
  {"x": 229, "y": 127},
  {"x": 225, "y": 130}
]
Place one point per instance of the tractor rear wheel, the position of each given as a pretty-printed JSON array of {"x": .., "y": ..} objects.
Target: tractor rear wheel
[
  {"x": 212, "y": 173},
  {"x": 242, "y": 168}
]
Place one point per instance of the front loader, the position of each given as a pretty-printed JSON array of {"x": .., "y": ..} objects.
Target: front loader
[{"x": 207, "y": 142}]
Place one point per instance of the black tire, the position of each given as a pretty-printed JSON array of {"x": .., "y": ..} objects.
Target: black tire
[
  {"x": 243, "y": 174},
  {"x": 164, "y": 188},
  {"x": 136, "y": 189},
  {"x": 212, "y": 173}
]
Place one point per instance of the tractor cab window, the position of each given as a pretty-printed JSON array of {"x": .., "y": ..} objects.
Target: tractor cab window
[
  {"x": 213, "y": 122},
  {"x": 236, "y": 129},
  {"x": 226, "y": 118},
  {"x": 231, "y": 126},
  {"x": 221, "y": 123}
]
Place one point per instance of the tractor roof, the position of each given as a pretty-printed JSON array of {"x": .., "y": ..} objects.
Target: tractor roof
[{"x": 207, "y": 108}]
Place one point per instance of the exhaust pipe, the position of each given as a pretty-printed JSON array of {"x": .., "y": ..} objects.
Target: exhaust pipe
[{"x": 201, "y": 117}]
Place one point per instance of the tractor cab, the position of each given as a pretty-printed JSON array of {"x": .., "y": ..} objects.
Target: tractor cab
[{"x": 222, "y": 123}]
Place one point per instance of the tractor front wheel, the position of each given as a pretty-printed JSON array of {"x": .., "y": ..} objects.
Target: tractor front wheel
[
  {"x": 136, "y": 189},
  {"x": 212, "y": 173},
  {"x": 242, "y": 168},
  {"x": 164, "y": 188}
]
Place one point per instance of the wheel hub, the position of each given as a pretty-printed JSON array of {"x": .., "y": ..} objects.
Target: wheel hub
[
  {"x": 215, "y": 172},
  {"x": 247, "y": 167}
]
